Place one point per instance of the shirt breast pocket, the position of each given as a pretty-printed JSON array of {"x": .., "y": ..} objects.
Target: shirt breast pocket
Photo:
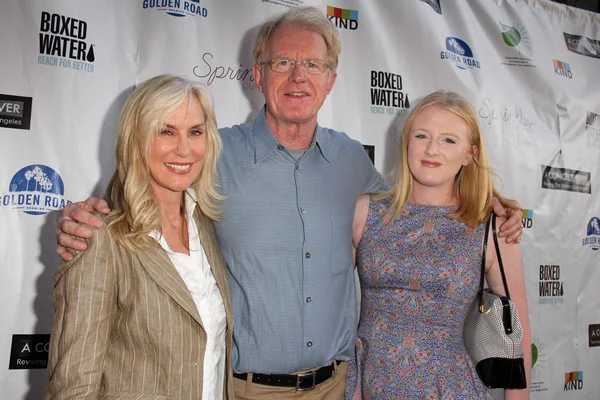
[{"x": 341, "y": 241}]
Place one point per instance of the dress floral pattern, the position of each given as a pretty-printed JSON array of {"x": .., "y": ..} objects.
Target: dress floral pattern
[{"x": 418, "y": 276}]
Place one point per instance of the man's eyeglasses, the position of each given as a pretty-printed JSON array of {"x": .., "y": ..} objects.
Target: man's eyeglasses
[{"x": 313, "y": 67}]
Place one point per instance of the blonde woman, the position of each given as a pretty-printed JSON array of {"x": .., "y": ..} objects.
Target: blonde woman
[
  {"x": 145, "y": 312},
  {"x": 419, "y": 248}
]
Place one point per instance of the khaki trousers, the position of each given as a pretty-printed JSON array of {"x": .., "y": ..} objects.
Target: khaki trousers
[{"x": 332, "y": 389}]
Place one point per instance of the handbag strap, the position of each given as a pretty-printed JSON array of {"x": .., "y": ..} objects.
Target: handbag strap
[
  {"x": 495, "y": 236},
  {"x": 506, "y": 312},
  {"x": 485, "y": 241},
  {"x": 497, "y": 246}
]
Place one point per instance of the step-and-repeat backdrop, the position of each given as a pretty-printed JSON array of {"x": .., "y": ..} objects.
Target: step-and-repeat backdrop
[{"x": 529, "y": 67}]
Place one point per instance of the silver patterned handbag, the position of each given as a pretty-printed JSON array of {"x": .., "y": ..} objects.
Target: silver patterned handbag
[{"x": 492, "y": 332}]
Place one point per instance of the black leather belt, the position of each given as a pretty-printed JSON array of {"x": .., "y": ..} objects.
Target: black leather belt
[{"x": 301, "y": 381}]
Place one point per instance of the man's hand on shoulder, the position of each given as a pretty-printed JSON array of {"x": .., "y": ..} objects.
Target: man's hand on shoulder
[
  {"x": 512, "y": 228},
  {"x": 74, "y": 222}
]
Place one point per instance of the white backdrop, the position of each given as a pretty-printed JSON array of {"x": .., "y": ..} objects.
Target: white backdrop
[{"x": 529, "y": 67}]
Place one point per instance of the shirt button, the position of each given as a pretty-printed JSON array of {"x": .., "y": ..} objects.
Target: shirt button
[
  {"x": 308, "y": 299},
  {"x": 303, "y": 211},
  {"x": 309, "y": 344},
  {"x": 307, "y": 255},
  {"x": 280, "y": 147},
  {"x": 297, "y": 166}
]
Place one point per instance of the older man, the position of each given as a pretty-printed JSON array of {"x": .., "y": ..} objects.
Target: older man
[{"x": 291, "y": 189}]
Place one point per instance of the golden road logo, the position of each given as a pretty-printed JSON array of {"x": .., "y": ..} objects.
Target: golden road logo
[
  {"x": 177, "y": 8},
  {"x": 36, "y": 190},
  {"x": 459, "y": 53},
  {"x": 592, "y": 238}
]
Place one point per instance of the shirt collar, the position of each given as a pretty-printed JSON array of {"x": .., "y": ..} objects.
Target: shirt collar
[
  {"x": 265, "y": 141},
  {"x": 190, "y": 203}
]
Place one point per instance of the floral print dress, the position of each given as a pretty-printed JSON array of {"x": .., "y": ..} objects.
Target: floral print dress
[{"x": 418, "y": 277}]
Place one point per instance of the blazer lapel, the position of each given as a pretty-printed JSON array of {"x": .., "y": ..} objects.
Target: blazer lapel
[
  {"x": 215, "y": 259},
  {"x": 163, "y": 272}
]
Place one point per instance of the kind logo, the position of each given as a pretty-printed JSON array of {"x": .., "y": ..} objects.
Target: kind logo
[
  {"x": 562, "y": 68},
  {"x": 573, "y": 381},
  {"x": 343, "y": 18},
  {"x": 527, "y": 218}
]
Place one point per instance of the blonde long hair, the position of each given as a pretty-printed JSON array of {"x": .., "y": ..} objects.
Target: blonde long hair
[
  {"x": 135, "y": 209},
  {"x": 474, "y": 187}
]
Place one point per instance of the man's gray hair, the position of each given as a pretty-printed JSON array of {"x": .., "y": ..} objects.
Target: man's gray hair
[{"x": 308, "y": 18}]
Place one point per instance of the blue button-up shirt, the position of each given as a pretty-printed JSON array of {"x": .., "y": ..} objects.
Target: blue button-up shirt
[{"x": 286, "y": 236}]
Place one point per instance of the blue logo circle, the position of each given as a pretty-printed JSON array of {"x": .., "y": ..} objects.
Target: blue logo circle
[
  {"x": 35, "y": 190},
  {"x": 593, "y": 230}
]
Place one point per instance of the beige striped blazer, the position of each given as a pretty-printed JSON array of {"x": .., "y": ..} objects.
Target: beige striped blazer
[{"x": 126, "y": 326}]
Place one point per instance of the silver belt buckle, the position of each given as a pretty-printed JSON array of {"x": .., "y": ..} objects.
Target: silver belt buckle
[{"x": 314, "y": 381}]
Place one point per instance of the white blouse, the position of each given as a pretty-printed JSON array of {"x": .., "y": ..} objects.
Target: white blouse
[{"x": 195, "y": 272}]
